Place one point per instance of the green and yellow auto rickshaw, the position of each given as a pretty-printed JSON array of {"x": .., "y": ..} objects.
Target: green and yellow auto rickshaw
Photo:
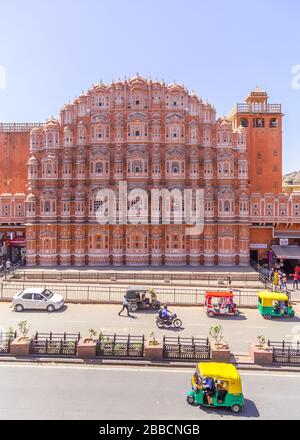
[
  {"x": 217, "y": 385},
  {"x": 275, "y": 305}
]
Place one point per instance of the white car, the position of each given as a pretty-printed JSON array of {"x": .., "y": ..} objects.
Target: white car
[{"x": 37, "y": 299}]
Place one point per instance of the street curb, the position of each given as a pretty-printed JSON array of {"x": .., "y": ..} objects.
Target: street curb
[{"x": 127, "y": 363}]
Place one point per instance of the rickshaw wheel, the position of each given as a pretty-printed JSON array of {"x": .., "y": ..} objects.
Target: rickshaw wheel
[
  {"x": 133, "y": 308},
  {"x": 292, "y": 315},
  {"x": 236, "y": 409},
  {"x": 191, "y": 400},
  {"x": 237, "y": 313},
  {"x": 211, "y": 314},
  {"x": 268, "y": 317}
]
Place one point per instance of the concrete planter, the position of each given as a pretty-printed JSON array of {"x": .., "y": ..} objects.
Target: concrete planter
[
  {"x": 20, "y": 347},
  {"x": 261, "y": 356},
  {"x": 86, "y": 348},
  {"x": 220, "y": 353},
  {"x": 154, "y": 352}
]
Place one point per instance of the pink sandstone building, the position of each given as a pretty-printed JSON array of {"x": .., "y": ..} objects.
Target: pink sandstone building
[{"x": 152, "y": 136}]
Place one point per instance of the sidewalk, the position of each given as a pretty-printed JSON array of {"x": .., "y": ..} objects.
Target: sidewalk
[{"x": 240, "y": 361}]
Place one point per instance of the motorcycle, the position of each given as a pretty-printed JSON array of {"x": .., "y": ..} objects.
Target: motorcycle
[{"x": 173, "y": 321}]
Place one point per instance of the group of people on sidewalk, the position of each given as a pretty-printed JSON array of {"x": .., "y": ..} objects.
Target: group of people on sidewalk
[
  {"x": 279, "y": 279},
  {"x": 5, "y": 265}
]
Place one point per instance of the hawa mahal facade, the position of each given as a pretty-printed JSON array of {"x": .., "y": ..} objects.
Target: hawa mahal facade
[{"x": 153, "y": 136}]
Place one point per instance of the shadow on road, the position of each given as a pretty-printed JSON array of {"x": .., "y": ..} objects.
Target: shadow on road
[
  {"x": 173, "y": 329},
  {"x": 241, "y": 317},
  {"x": 250, "y": 411},
  {"x": 286, "y": 319},
  {"x": 128, "y": 317},
  {"x": 36, "y": 312}
]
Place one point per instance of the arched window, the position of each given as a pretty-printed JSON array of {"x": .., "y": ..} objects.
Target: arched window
[
  {"x": 227, "y": 206},
  {"x": 99, "y": 168},
  {"x": 273, "y": 123},
  {"x": 137, "y": 166},
  {"x": 258, "y": 123},
  {"x": 47, "y": 207},
  {"x": 244, "y": 122},
  {"x": 175, "y": 167}
]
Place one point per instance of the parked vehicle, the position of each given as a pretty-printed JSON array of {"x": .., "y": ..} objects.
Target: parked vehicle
[
  {"x": 217, "y": 385},
  {"x": 165, "y": 322},
  {"x": 37, "y": 299},
  {"x": 274, "y": 305},
  {"x": 142, "y": 298},
  {"x": 220, "y": 303}
]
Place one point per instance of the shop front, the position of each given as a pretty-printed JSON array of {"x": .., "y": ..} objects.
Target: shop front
[
  {"x": 15, "y": 246},
  {"x": 287, "y": 257}
]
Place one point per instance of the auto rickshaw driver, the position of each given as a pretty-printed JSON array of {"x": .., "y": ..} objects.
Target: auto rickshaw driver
[
  {"x": 222, "y": 388},
  {"x": 209, "y": 389},
  {"x": 230, "y": 304}
]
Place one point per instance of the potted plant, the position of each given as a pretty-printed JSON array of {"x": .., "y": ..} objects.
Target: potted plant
[
  {"x": 92, "y": 335},
  {"x": 24, "y": 330},
  {"x": 153, "y": 341},
  {"x": 261, "y": 352},
  {"x": 87, "y": 347},
  {"x": 216, "y": 333},
  {"x": 220, "y": 350},
  {"x": 20, "y": 347},
  {"x": 262, "y": 343}
]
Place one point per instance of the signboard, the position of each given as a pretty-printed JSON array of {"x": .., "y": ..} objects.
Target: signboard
[
  {"x": 284, "y": 242},
  {"x": 258, "y": 246}
]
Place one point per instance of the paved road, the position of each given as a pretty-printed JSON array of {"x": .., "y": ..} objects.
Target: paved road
[
  {"x": 100, "y": 393},
  {"x": 238, "y": 332}
]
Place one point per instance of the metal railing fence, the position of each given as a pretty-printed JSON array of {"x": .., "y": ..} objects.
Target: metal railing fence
[{"x": 114, "y": 294}]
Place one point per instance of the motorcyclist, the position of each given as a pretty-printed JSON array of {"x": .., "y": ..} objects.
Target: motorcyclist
[{"x": 166, "y": 314}]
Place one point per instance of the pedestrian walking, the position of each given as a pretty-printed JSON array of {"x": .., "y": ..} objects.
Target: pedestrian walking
[
  {"x": 276, "y": 281},
  {"x": 125, "y": 307},
  {"x": 8, "y": 265},
  {"x": 296, "y": 278},
  {"x": 229, "y": 281},
  {"x": 271, "y": 274},
  {"x": 284, "y": 282}
]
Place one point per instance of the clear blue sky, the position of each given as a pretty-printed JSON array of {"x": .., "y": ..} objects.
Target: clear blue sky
[{"x": 52, "y": 50}]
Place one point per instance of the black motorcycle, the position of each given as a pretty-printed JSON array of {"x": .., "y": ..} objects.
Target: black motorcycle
[{"x": 165, "y": 322}]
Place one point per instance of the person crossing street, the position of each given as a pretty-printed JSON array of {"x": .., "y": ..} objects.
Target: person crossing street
[{"x": 125, "y": 306}]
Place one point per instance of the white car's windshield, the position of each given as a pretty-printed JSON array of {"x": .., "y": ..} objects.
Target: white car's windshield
[{"x": 47, "y": 294}]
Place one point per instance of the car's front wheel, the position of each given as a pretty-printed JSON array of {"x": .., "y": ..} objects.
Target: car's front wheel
[
  {"x": 51, "y": 308},
  {"x": 19, "y": 308}
]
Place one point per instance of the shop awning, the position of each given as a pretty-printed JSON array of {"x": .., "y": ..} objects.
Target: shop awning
[
  {"x": 20, "y": 242},
  {"x": 287, "y": 252},
  {"x": 288, "y": 234}
]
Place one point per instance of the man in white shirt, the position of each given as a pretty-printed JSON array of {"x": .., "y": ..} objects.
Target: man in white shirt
[{"x": 125, "y": 306}]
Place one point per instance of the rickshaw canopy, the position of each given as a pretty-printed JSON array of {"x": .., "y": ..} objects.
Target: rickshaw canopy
[
  {"x": 219, "y": 295},
  {"x": 272, "y": 296},
  {"x": 222, "y": 372}
]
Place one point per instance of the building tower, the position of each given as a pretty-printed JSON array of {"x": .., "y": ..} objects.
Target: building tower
[{"x": 263, "y": 122}]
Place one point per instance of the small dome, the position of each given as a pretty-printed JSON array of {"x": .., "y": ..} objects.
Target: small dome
[
  {"x": 35, "y": 130},
  {"x": 31, "y": 198},
  {"x": 33, "y": 160}
]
